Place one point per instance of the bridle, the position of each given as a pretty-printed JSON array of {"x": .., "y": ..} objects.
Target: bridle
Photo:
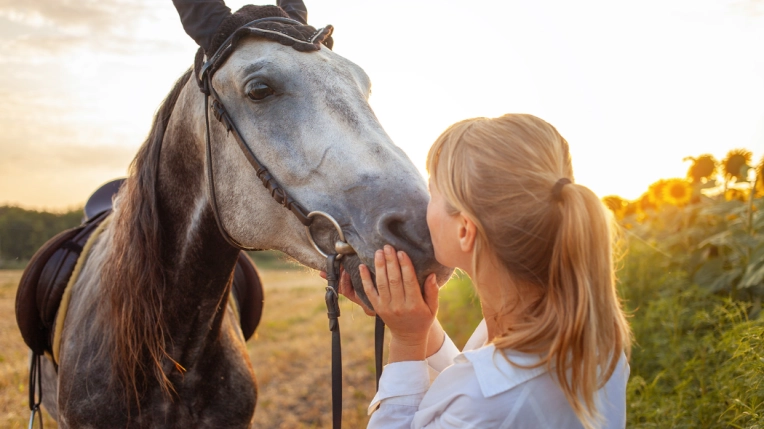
[{"x": 341, "y": 247}]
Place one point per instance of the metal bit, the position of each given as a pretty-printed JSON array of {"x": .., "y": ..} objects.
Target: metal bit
[{"x": 343, "y": 248}]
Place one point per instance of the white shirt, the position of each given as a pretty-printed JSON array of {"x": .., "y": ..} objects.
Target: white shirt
[{"x": 480, "y": 389}]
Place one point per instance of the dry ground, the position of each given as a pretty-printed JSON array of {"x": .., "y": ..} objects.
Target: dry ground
[{"x": 290, "y": 354}]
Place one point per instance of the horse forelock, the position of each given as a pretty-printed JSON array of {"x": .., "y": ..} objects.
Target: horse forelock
[{"x": 132, "y": 279}]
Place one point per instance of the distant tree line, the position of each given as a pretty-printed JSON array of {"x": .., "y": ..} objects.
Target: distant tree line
[{"x": 22, "y": 231}]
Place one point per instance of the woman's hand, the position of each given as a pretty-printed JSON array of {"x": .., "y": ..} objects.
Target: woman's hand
[{"x": 399, "y": 302}]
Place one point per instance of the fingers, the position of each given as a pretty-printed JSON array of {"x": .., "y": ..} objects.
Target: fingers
[
  {"x": 346, "y": 289},
  {"x": 345, "y": 286},
  {"x": 394, "y": 278},
  {"x": 408, "y": 276},
  {"x": 431, "y": 293},
  {"x": 381, "y": 269},
  {"x": 322, "y": 274},
  {"x": 368, "y": 285}
]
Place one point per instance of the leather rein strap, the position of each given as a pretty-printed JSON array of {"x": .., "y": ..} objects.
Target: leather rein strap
[
  {"x": 282, "y": 197},
  {"x": 333, "y": 313}
]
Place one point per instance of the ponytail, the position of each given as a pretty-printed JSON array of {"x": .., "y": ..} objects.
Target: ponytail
[{"x": 582, "y": 296}]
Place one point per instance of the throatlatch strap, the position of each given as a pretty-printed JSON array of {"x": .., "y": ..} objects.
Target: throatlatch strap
[{"x": 333, "y": 312}]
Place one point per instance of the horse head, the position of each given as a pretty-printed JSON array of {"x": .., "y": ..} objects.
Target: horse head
[{"x": 306, "y": 116}]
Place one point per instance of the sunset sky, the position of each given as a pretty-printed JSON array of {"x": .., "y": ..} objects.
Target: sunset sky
[{"x": 633, "y": 86}]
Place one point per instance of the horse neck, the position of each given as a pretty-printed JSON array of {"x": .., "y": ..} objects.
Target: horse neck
[{"x": 198, "y": 260}]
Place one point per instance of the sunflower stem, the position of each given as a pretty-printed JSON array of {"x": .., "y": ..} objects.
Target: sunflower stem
[{"x": 750, "y": 205}]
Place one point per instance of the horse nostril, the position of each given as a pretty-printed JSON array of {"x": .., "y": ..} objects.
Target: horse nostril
[
  {"x": 401, "y": 234},
  {"x": 395, "y": 228}
]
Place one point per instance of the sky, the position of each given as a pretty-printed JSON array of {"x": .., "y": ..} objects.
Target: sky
[{"x": 634, "y": 87}]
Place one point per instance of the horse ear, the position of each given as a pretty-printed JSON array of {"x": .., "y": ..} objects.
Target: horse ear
[
  {"x": 295, "y": 9},
  {"x": 201, "y": 19},
  {"x": 328, "y": 42}
]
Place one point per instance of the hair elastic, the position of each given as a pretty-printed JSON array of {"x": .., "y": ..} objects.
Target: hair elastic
[{"x": 557, "y": 188}]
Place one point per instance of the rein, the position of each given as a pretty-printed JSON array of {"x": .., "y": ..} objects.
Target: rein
[{"x": 279, "y": 194}]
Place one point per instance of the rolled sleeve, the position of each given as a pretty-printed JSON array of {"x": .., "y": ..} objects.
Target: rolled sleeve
[
  {"x": 402, "y": 383},
  {"x": 444, "y": 357}
]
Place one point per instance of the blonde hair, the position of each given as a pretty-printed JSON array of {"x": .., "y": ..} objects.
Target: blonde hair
[{"x": 500, "y": 173}]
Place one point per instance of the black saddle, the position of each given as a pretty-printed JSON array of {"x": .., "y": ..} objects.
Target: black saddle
[{"x": 46, "y": 276}]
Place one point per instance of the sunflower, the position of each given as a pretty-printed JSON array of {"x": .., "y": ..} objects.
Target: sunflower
[
  {"x": 702, "y": 169},
  {"x": 631, "y": 208},
  {"x": 734, "y": 162},
  {"x": 616, "y": 204},
  {"x": 644, "y": 203},
  {"x": 655, "y": 193},
  {"x": 735, "y": 194},
  {"x": 677, "y": 192},
  {"x": 760, "y": 179}
]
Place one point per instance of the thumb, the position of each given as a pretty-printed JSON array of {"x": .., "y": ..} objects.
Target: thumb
[{"x": 431, "y": 293}]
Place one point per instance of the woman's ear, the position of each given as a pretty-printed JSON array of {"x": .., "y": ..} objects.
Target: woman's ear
[{"x": 467, "y": 234}]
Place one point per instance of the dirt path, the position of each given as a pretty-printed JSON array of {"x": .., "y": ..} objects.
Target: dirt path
[{"x": 290, "y": 354}]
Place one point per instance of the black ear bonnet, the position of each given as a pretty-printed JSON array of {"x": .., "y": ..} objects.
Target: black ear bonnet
[{"x": 270, "y": 22}]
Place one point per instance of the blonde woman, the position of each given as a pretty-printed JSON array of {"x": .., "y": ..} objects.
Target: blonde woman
[{"x": 552, "y": 349}]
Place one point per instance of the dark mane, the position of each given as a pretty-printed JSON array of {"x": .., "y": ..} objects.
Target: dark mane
[{"x": 132, "y": 277}]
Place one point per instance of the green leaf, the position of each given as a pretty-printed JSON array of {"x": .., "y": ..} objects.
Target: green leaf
[
  {"x": 713, "y": 277},
  {"x": 754, "y": 274},
  {"x": 720, "y": 239},
  {"x": 709, "y": 272},
  {"x": 724, "y": 208},
  {"x": 742, "y": 241}
]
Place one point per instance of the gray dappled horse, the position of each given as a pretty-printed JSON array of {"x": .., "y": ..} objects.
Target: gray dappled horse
[{"x": 148, "y": 340}]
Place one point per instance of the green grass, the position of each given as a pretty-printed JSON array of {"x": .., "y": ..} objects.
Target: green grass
[{"x": 459, "y": 308}]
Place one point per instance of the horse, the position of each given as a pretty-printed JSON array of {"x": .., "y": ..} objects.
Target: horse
[{"x": 149, "y": 340}]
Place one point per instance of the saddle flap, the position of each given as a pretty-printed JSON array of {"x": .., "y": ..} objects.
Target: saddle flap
[
  {"x": 44, "y": 281},
  {"x": 28, "y": 306}
]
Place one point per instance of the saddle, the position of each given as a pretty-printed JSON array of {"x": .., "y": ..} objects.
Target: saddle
[{"x": 47, "y": 275}]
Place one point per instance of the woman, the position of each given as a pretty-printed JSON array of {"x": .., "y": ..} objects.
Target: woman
[{"x": 551, "y": 350}]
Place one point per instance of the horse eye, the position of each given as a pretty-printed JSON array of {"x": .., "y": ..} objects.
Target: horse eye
[{"x": 260, "y": 91}]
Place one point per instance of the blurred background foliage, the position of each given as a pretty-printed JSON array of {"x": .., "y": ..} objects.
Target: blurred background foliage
[{"x": 692, "y": 278}]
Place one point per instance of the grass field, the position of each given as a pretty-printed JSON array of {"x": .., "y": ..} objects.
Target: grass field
[{"x": 290, "y": 352}]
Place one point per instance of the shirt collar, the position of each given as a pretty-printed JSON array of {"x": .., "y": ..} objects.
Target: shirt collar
[{"x": 494, "y": 371}]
